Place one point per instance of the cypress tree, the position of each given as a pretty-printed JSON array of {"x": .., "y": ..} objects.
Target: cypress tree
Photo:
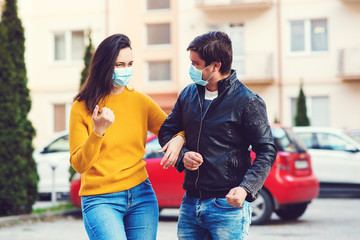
[
  {"x": 18, "y": 175},
  {"x": 301, "y": 118},
  {"x": 87, "y": 58}
]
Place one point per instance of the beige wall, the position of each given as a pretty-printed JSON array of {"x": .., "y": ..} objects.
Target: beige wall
[{"x": 319, "y": 70}]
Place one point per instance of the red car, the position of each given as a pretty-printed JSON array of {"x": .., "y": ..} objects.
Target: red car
[{"x": 289, "y": 188}]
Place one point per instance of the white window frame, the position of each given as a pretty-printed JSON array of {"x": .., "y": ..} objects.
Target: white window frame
[
  {"x": 68, "y": 43},
  {"x": 307, "y": 35},
  {"x": 159, "y": 82}
]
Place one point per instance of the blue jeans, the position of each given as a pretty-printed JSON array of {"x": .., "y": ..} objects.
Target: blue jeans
[
  {"x": 129, "y": 214},
  {"x": 213, "y": 218}
]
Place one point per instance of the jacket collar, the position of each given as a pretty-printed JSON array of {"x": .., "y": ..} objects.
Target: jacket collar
[{"x": 222, "y": 84}]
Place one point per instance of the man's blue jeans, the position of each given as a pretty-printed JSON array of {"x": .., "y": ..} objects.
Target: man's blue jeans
[
  {"x": 213, "y": 218},
  {"x": 130, "y": 214}
]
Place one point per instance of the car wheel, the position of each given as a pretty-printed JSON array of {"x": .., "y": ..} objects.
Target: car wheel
[
  {"x": 262, "y": 208},
  {"x": 291, "y": 212}
]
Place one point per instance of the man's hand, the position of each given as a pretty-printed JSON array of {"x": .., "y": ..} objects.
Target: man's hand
[
  {"x": 236, "y": 196},
  {"x": 192, "y": 160},
  {"x": 173, "y": 148}
]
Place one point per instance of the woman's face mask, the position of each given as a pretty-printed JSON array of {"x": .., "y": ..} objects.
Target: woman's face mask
[
  {"x": 196, "y": 75},
  {"x": 122, "y": 76}
]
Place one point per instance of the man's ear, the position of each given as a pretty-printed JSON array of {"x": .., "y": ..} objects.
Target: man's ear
[{"x": 217, "y": 66}]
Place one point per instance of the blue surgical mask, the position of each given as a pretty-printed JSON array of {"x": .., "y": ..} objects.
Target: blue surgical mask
[
  {"x": 196, "y": 75},
  {"x": 122, "y": 76}
]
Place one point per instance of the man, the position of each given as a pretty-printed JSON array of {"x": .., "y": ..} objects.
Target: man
[{"x": 221, "y": 118}]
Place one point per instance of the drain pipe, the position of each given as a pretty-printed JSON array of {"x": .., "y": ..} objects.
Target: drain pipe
[{"x": 280, "y": 83}]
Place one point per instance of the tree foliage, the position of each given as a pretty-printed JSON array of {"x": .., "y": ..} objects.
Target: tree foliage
[
  {"x": 89, "y": 51},
  {"x": 18, "y": 175},
  {"x": 301, "y": 118}
]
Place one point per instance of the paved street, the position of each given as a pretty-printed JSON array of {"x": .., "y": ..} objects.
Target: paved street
[{"x": 325, "y": 219}]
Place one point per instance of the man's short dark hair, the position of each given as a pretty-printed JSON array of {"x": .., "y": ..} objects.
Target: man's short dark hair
[{"x": 214, "y": 47}]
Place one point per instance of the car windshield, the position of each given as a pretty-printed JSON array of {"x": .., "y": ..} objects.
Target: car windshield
[
  {"x": 287, "y": 141},
  {"x": 59, "y": 145}
]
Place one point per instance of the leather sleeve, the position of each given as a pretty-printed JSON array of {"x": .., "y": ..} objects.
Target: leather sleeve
[
  {"x": 258, "y": 133},
  {"x": 171, "y": 126}
]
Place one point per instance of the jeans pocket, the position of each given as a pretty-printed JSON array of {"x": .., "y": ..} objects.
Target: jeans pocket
[
  {"x": 223, "y": 204},
  {"x": 147, "y": 182}
]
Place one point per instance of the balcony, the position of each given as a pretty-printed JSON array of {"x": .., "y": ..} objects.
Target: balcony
[
  {"x": 218, "y": 5},
  {"x": 254, "y": 68},
  {"x": 349, "y": 64}
]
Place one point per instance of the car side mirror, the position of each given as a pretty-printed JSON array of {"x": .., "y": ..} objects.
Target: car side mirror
[
  {"x": 351, "y": 149},
  {"x": 45, "y": 150}
]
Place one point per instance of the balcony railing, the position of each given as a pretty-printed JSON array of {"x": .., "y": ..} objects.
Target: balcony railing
[
  {"x": 254, "y": 68},
  {"x": 349, "y": 64},
  {"x": 233, "y": 4}
]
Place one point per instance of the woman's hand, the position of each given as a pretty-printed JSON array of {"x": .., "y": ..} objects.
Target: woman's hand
[
  {"x": 102, "y": 122},
  {"x": 172, "y": 149}
]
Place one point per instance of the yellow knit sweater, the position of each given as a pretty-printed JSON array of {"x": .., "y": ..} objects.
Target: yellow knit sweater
[{"x": 113, "y": 162}]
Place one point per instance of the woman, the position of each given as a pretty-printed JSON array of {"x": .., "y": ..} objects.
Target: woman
[{"x": 108, "y": 132}]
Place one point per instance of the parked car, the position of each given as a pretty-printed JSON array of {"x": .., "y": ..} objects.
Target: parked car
[
  {"x": 53, "y": 158},
  {"x": 335, "y": 157},
  {"x": 288, "y": 190},
  {"x": 354, "y": 133}
]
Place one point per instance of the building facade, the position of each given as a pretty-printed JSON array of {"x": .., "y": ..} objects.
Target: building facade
[{"x": 276, "y": 45}]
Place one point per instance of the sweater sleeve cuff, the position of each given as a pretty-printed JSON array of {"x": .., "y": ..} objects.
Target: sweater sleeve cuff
[
  {"x": 94, "y": 137},
  {"x": 182, "y": 133}
]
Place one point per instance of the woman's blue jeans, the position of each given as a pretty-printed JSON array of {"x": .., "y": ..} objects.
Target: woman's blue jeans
[
  {"x": 129, "y": 214},
  {"x": 213, "y": 218}
]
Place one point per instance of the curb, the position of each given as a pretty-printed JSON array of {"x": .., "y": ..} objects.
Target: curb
[{"x": 38, "y": 217}]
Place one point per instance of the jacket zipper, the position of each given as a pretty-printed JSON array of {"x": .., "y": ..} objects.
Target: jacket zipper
[{"x": 198, "y": 141}]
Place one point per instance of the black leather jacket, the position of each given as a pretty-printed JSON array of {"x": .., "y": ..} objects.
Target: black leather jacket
[{"x": 233, "y": 122}]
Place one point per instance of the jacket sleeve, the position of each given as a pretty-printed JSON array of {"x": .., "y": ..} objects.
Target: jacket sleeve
[
  {"x": 172, "y": 126},
  {"x": 258, "y": 132}
]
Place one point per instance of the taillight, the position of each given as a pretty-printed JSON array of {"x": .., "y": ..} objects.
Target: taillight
[{"x": 298, "y": 164}]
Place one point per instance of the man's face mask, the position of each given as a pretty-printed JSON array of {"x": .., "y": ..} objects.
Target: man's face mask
[{"x": 196, "y": 75}]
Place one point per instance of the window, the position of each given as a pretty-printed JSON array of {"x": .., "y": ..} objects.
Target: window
[
  {"x": 297, "y": 36},
  {"x": 308, "y": 35},
  {"x": 69, "y": 46},
  {"x": 60, "y": 50},
  {"x": 317, "y": 111},
  {"x": 158, "y": 34},
  {"x": 61, "y": 116},
  {"x": 331, "y": 142},
  {"x": 157, "y": 4},
  {"x": 236, "y": 33},
  {"x": 159, "y": 71}
]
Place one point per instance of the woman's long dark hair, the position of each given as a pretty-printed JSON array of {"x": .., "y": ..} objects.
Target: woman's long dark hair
[{"x": 99, "y": 83}]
